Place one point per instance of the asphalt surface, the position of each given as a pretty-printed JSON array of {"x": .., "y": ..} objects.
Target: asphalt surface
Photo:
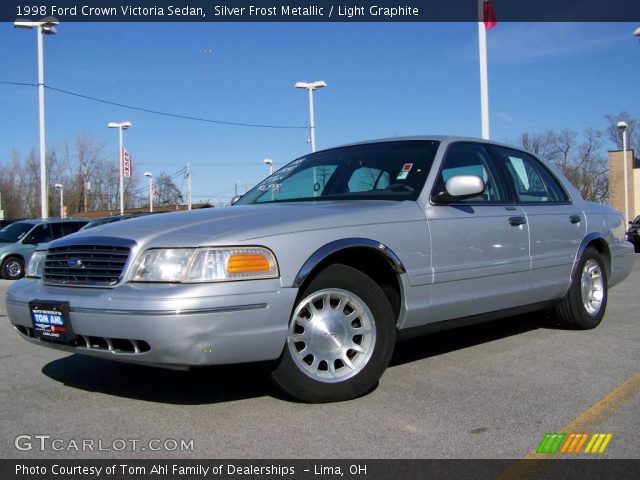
[{"x": 488, "y": 391}]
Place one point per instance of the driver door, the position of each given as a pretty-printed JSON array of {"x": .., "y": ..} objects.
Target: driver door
[{"x": 479, "y": 245}]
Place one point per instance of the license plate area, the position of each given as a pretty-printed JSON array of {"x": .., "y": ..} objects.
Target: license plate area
[{"x": 51, "y": 321}]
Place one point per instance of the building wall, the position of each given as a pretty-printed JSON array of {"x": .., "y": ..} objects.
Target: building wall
[{"x": 616, "y": 183}]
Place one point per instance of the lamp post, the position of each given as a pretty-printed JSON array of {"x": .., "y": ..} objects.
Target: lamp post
[
  {"x": 310, "y": 87},
  {"x": 269, "y": 163},
  {"x": 120, "y": 126},
  {"x": 46, "y": 26},
  {"x": 60, "y": 187},
  {"x": 149, "y": 175},
  {"x": 622, "y": 126}
]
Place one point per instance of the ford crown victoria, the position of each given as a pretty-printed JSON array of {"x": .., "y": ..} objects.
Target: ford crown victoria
[{"x": 326, "y": 263}]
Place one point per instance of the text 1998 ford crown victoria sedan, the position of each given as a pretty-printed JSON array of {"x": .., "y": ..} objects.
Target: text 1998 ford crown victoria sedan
[{"x": 326, "y": 262}]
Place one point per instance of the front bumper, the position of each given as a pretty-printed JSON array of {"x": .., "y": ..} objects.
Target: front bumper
[{"x": 169, "y": 325}]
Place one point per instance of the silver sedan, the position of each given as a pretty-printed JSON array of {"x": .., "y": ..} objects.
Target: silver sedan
[{"x": 326, "y": 263}]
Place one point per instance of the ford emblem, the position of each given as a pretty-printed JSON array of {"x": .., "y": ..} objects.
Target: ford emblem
[{"x": 74, "y": 262}]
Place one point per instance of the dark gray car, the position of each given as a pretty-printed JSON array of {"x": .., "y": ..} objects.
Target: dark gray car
[{"x": 323, "y": 265}]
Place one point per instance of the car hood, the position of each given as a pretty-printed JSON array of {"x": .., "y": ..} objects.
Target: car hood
[{"x": 242, "y": 224}]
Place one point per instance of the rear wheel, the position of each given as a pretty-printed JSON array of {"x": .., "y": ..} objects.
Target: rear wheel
[
  {"x": 586, "y": 301},
  {"x": 12, "y": 268},
  {"x": 341, "y": 338}
]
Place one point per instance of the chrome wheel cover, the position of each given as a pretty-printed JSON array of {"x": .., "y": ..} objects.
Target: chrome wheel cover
[
  {"x": 591, "y": 286},
  {"x": 331, "y": 335},
  {"x": 13, "y": 268}
]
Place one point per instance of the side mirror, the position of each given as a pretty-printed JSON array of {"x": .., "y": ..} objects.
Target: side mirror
[
  {"x": 235, "y": 199},
  {"x": 460, "y": 187}
]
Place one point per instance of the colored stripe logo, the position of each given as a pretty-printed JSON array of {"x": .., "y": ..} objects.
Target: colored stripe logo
[{"x": 574, "y": 443}]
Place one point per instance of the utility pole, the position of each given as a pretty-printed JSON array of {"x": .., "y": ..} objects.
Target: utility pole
[{"x": 188, "y": 186}]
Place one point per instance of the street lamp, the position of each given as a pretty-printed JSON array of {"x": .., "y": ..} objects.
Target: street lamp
[
  {"x": 269, "y": 163},
  {"x": 310, "y": 87},
  {"x": 60, "y": 187},
  {"x": 121, "y": 126},
  {"x": 622, "y": 126},
  {"x": 46, "y": 26},
  {"x": 149, "y": 175}
]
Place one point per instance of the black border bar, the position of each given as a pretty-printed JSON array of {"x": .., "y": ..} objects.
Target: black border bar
[
  {"x": 320, "y": 10},
  {"x": 356, "y": 469}
]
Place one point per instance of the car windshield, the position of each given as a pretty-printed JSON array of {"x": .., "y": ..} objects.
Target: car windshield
[
  {"x": 14, "y": 232},
  {"x": 375, "y": 171}
]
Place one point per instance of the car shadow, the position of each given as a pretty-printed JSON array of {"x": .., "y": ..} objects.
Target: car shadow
[
  {"x": 439, "y": 343},
  {"x": 203, "y": 385},
  {"x": 227, "y": 383}
]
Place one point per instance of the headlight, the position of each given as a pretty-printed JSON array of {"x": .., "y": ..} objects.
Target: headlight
[
  {"x": 192, "y": 265},
  {"x": 36, "y": 264}
]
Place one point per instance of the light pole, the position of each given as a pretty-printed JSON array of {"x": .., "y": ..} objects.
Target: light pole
[
  {"x": 149, "y": 175},
  {"x": 120, "y": 126},
  {"x": 60, "y": 187},
  {"x": 622, "y": 126},
  {"x": 269, "y": 163},
  {"x": 310, "y": 87},
  {"x": 46, "y": 26}
]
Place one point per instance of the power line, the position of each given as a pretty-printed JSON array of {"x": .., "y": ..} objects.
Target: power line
[{"x": 157, "y": 112}]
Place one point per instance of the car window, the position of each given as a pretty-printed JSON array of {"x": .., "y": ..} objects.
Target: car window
[
  {"x": 463, "y": 158},
  {"x": 71, "y": 227},
  {"x": 533, "y": 182},
  {"x": 366, "y": 178},
  {"x": 40, "y": 234},
  {"x": 394, "y": 170},
  {"x": 56, "y": 229},
  {"x": 15, "y": 232}
]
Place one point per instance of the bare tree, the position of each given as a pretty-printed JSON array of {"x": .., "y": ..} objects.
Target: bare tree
[
  {"x": 580, "y": 157},
  {"x": 633, "y": 131},
  {"x": 167, "y": 191}
]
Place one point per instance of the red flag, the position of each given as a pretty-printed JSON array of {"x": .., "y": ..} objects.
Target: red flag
[{"x": 489, "y": 15}]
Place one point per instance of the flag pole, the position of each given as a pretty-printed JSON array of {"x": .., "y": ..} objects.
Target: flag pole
[{"x": 484, "y": 79}]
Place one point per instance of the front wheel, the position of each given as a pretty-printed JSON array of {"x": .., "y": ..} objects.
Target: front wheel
[
  {"x": 12, "y": 268},
  {"x": 341, "y": 338},
  {"x": 586, "y": 301}
]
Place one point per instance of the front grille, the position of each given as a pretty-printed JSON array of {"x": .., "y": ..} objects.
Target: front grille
[{"x": 85, "y": 265}]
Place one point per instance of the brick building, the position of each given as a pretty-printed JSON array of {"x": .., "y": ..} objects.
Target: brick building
[{"x": 616, "y": 182}]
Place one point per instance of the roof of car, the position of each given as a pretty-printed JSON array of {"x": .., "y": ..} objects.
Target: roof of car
[
  {"x": 436, "y": 138},
  {"x": 38, "y": 221}
]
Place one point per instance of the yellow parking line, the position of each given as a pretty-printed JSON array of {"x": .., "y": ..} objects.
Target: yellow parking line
[{"x": 587, "y": 420}]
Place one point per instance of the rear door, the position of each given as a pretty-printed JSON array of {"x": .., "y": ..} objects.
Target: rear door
[
  {"x": 556, "y": 225},
  {"x": 480, "y": 246}
]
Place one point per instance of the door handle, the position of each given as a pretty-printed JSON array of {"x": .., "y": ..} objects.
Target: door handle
[
  {"x": 575, "y": 219},
  {"x": 517, "y": 221}
]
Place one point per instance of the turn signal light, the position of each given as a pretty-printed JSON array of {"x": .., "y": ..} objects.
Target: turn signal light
[{"x": 247, "y": 263}]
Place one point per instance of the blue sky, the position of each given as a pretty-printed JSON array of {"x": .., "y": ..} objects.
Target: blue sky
[{"x": 383, "y": 80}]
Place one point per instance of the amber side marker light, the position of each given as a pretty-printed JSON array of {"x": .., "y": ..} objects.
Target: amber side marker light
[{"x": 248, "y": 263}]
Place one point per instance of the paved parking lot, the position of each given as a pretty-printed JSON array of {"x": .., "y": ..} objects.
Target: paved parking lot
[{"x": 489, "y": 391}]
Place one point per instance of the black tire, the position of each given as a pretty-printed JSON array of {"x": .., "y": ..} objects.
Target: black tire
[
  {"x": 572, "y": 312},
  {"x": 289, "y": 374},
  {"x": 12, "y": 268}
]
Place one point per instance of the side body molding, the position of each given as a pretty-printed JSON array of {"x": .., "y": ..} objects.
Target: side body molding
[{"x": 345, "y": 243}]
